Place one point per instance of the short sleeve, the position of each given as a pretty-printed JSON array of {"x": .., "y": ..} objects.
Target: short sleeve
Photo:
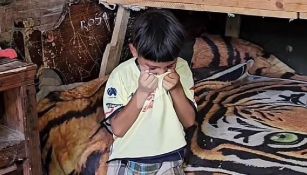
[
  {"x": 186, "y": 79},
  {"x": 114, "y": 98}
]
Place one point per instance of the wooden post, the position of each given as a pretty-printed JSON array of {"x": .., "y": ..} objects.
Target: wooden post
[
  {"x": 233, "y": 25},
  {"x": 33, "y": 165},
  {"x": 269, "y": 8},
  {"x": 111, "y": 56}
]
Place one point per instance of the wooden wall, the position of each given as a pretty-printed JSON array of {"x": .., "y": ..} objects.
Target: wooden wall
[{"x": 43, "y": 12}]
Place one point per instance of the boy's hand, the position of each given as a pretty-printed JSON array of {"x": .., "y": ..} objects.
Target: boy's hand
[
  {"x": 147, "y": 82},
  {"x": 171, "y": 80}
]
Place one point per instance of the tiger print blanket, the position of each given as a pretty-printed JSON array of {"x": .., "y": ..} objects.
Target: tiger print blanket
[
  {"x": 250, "y": 120},
  {"x": 249, "y": 125},
  {"x": 72, "y": 139}
]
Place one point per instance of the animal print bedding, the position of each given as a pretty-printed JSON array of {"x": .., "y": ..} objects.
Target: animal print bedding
[
  {"x": 251, "y": 117},
  {"x": 248, "y": 124}
]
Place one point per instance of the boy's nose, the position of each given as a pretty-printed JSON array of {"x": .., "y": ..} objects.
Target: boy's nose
[{"x": 161, "y": 71}]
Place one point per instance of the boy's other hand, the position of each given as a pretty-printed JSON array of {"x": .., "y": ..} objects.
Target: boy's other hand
[
  {"x": 147, "y": 82},
  {"x": 171, "y": 80}
]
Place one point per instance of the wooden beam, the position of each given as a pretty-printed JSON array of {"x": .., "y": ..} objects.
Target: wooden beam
[
  {"x": 233, "y": 25},
  {"x": 303, "y": 15},
  {"x": 112, "y": 53},
  {"x": 32, "y": 166},
  {"x": 15, "y": 73},
  {"x": 274, "y": 5},
  {"x": 220, "y": 8},
  {"x": 8, "y": 169}
]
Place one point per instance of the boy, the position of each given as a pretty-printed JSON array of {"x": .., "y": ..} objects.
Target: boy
[{"x": 148, "y": 101}]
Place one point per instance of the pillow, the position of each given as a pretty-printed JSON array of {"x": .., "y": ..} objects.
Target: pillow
[{"x": 213, "y": 53}]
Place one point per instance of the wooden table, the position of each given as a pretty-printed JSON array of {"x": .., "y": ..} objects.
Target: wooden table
[{"x": 19, "y": 139}]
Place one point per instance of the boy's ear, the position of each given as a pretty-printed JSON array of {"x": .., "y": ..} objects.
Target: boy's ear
[{"x": 133, "y": 51}]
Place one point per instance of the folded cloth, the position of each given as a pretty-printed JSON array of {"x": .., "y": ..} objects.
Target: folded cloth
[{"x": 8, "y": 53}]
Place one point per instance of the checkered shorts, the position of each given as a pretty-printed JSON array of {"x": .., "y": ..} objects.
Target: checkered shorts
[{"x": 117, "y": 167}]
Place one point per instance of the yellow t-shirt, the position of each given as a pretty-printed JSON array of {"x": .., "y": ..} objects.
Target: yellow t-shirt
[{"x": 157, "y": 130}]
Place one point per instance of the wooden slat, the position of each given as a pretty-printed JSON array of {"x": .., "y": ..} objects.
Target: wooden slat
[
  {"x": 32, "y": 166},
  {"x": 15, "y": 73},
  {"x": 8, "y": 65},
  {"x": 11, "y": 154},
  {"x": 283, "y": 5},
  {"x": 112, "y": 53},
  {"x": 8, "y": 169},
  {"x": 16, "y": 80},
  {"x": 303, "y": 15},
  {"x": 221, "y": 7}
]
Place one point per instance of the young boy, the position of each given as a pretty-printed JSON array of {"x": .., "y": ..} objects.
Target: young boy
[{"x": 148, "y": 100}]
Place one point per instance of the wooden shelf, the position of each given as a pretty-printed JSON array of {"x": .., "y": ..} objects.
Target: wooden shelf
[
  {"x": 12, "y": 146},
  {"x": 19, "y": 139},
  {"x": 14, "y": 73},
  {"x": 9, "y": 137},
  {"x": 265, "y": 8}
]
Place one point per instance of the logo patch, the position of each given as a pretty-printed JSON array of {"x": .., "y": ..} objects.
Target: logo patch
[
  {"x": 112, "y": 105},
  {"x": 112, "y": 91}
]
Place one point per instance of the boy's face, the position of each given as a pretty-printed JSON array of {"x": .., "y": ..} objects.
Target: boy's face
[{"x": 156, "y": 68}]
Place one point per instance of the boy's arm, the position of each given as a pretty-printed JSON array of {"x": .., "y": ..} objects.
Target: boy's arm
[
  {"x": 182, "y": 96},
  {"x": 124, "y": 119},
  {"x": 183, "y": 106}
]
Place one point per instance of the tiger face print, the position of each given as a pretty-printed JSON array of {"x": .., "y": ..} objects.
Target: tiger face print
[{"x": 255, "y": 126}]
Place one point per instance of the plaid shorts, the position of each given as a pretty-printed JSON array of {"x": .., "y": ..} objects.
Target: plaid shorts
[{"x": 117, "y": 167}]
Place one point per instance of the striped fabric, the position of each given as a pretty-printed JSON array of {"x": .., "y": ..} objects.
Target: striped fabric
[{"x": 117, "y": 167}]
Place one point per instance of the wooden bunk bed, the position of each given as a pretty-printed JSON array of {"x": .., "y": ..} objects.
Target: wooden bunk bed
[{"x": 290, "y": 9}]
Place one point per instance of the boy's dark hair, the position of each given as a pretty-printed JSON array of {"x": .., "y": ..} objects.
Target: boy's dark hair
[{"x": 158, "y": 36}]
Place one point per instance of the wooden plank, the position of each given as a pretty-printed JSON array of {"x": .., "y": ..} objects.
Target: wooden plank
[
  {"x": 11, "y": 154},
  {"x": 16, "y": 79},
  {"x": 303, "y": 15},
  {"x": 75, "y": 48},
  {"x": 15, "y": 73},
  {"x": 7, "y": 65},
  {"x": 232, "y": 27},
  {"x": 13, "y": 109},
  {"x": 8, "y": 169},
  {"x": 210, "y": 8},
  {"x": 111, "y": 56},
  {"x": 275, "y": 5},
  {"x": 33, "y": 164}
]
